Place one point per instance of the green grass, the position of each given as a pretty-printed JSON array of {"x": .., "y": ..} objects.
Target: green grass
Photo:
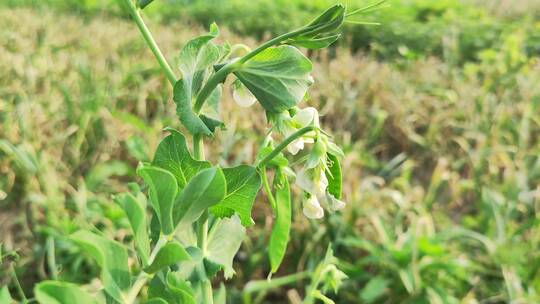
[{"x": 441, "y": 173}]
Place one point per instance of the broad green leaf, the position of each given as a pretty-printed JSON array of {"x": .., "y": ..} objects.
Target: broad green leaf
[
  {"x": 333, "y": 174},
  {"x": 279, "y": 238},
  {"x": 135, "y": 209},
  {"x": 173, "y": 155},
  {"x": 374, "y": 289},
  {"x": 314, "y": 43},
  {"x": 278, "y": 77},
  {"x": 5, "y": 297},
  {"x": 196, "y": 59},
  {"x": 163, "y": 189},
  {"x": 224, "y": 240},
  {"x": 111, "y": 256},
  {"x": 171, "y": 253},
  {"x": 181, "y": 289},
  {"x": 243, "y": 184},
  {"x": 203, "y": 191},
  {"x": 170, "y": 288},
  {"x": 156, "y": 301},
  {"x": 56, "y": 292},
  {"x": 143, "y": 3}
]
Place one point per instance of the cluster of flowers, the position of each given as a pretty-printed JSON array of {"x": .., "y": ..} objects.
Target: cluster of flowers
[{"x": 311, "y": 178}]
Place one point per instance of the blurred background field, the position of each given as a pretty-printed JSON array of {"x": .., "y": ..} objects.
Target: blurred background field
[{"x": 437, "y": 108}]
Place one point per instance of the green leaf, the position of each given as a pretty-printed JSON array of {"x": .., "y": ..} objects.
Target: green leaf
[
  {"x": 5, "y": 297},
  {"x": 171, "y": 253},
  {"x": 224, "y": 240},
  {"x": 111, "y": 256},
  {"x": 333, "y": 174},
  {"x": 135, "y": 209},
  {"x": 163, "y": 189},
  {"x": 314, "y": 43},
  {"x": 279, "y": 238},
  {"x": 196, "y": 59},
  {"x": 181, "y": 289},
  {"x": 278, "y": 77},
  {"x": 328, "y": 21},
  {"x": 203, "y": 191},
  {"x": 143, "y": 3},
  {"x": 173, "y": 155},
  {"x": 374, "y": 289},
  {"x": 56, "y": 292},
  {"x": 156, "y": 301},
  {"x": 243, "y": 184},
  {"x": 171, "y": 288}
]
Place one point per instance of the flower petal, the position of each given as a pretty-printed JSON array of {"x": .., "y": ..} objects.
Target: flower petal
[
  {"x": 334, "y": 204},
  {"x": 243, "y": 97},
  {"x": 312, "y": 209},
  {"x": 307, "y": 116},
  {"x": 304, "y": 181},
  {"x": 296, "y": 146}
]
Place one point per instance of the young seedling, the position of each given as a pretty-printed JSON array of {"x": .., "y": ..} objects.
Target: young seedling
[{"x": 200, "y": 211}]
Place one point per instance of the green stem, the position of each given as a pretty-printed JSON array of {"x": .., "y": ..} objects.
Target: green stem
[
  {"x": 284, "y": 144},
  {"x": 135, "y": 14},
  {"x": 143, "y": 277},
  {"x": 51, "y": 260},
  {"x": 212, "y": 83},
  {"x": 220, "y": 75},
  {"x": 202, "y": 226},
  {"x": 20, "y": 290},
  {"x": 273, "y": 42},
  {"x": 263, "y": 285}
]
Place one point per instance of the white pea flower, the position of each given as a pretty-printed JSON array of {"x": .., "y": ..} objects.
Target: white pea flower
[
  {"x": 333, "y": 203},
  {"x": 296, "y": 146},
  {"x": 308, "y": 181},
  {"x": 243, "y": 96},
  {"x": 314, "y": 182},
  {"x": 302, "y": 118},
  {"x": 312, "y": 209}
]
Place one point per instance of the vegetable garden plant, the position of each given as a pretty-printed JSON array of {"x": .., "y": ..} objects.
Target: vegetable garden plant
[{"x": 190, "y": 217}]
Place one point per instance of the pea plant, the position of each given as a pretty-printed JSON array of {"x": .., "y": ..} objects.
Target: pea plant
[{"x": 189, "y": 219}]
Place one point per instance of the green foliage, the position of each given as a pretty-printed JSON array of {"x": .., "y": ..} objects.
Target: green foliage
[
  {"x": 111, "y": 257},
  {"x": 163, "y": 189},
  {"x": 243, "y": 184},
  {"x": 173, "y": 155},
  {"x": 224, "y": 240},
  {"x": 55, "y": 292},
  {"x": 135, "y": 209},
  {"x": 278, "y": 77},
  {"x": 196, "y": 59},
  {"x": 203, "y": 191},
  {"x": 170, "y": 254}
]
